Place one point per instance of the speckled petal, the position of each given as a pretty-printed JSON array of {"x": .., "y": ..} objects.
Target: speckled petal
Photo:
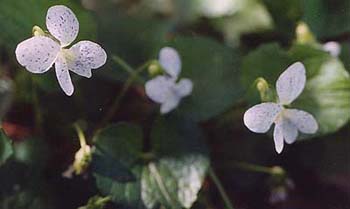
[
  {"x": 37, "y": 54},
  {"x": 62, "y": 74},
  {"x": 87, "y": 55},
  {"x": 291, "y": 83},
  {"x": 62, "y": 24},
  {"x": 170, "y": 60},
  {"x": 260, "y": 117},
  {"x": 304, "y": 121}
]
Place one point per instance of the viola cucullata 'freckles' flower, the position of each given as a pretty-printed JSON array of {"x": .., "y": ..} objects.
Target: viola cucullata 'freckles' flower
[
  {"x": 287, "y": 121},
  {"x": 39, "y": 53},
  {"x": 164, "y": 89}
]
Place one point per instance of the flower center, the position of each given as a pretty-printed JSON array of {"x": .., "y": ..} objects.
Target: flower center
[
  {"x": 280, "y": 115},
  {"x": 68, "y": 55}
]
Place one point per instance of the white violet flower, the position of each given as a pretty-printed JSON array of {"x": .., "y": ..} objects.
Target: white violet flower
[
  {"x": 333, "y": 48},
  {"x": 287, "y": 121},
  {"x": 164, "y": 89},
  {"x": 39, "y": 53}
]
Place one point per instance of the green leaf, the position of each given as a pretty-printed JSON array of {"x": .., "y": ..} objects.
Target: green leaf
[
  {"x": 326, "y": 95},
  {"x": 251, "y": 16},
  {"x": 96, "y": 202},
  {"x": 6, "y": 149},
  {"x": 170, "y": 175},
  {"x": 176, "y": 178},
  {"x": 267, "y": 61},
  {"x": 122, "y": 143},
  {"x": 327, "y": 18},
  {"x": 17, "y": 19},
  {"x": 345, "y": 55},
  {"x": 133, "y": 39},
  {"x": 26, "y": 199},
  {"x": 214, "y": 71},
  {"x": 285, "y": 15}
]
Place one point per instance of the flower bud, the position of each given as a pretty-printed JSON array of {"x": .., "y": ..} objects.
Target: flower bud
[
  {"x": 82, "y": 159},
  {"x": 303, "y": 34},
  {"x": 266, "y": 93},
  {"x": 155, "y": 69},
  {"x": 37, "y": 31}
]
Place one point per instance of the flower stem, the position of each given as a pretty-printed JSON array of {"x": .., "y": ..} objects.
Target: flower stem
[
  {"x": 221, "y": 189},
  {"x": 81, "y": 135},
  {"x": 274, "y": 170},
  {"x": 133, "y": 75},
  {"x": 125, "y": 66}
]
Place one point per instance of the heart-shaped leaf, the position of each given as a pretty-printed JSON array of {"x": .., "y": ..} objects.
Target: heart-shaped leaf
[{"x": 170, "y": 175}]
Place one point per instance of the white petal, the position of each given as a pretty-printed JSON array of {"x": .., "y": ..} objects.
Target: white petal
[
  {"x": 87, "y": 55},
  {"x": 171, "y": 103},
  {"x": 291, "y": 83},
  {"x": 62, "y": 74},
  {"x": 304, "y": 121},
  {"x": 278, "y": 137},
  {"x": 333, "y": 48},
  {"x": 62, "y": 24},
  {"x": 260, "y": 117},
  {"x": 158, "y": 89},
  {"x": 184, "y": 87},
  {"x": 37, "y": 54},
  {"x": 290, "y": 131},
  {"x": 170, "y": 60}
]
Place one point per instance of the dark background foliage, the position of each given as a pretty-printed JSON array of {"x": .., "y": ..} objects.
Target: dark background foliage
[{"x": 225, "y": 46}]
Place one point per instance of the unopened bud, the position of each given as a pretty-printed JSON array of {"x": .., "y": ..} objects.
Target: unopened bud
[
  {"x": 155, "y": 69},
  {"x": 37, "y": 31},
  {"x": 304, "y": 34},
  {"x": 82, "y": 159},
  {"x": 265, "y": 92}
]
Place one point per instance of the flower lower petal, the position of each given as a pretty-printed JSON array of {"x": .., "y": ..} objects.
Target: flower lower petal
[
  {"x": 63, "y": 77},
  {"x": 290, "y": 131},
  {"x": 278, "y": 137}
]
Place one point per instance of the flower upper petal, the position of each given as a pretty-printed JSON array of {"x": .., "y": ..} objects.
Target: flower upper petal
[
  {"x": 62, "y": 74},
  {"x": 260, "y": 117},
  {"x": 37, "y": 54},
  {"x": 87, "y": 55},
  {"x": 278, "y": 137},
  {"x": 170, "y": 60},
  {"x": 62, "y": 24},
  {"x": 184, "y": 87},
  {"x": 291, "y": 83},
  {"x": 304, "y": 121},
  {"x": 158, "y": 89}
]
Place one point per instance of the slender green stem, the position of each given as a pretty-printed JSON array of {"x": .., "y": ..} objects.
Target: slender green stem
[
  {"x": 81, "y": 135},
  {"x": 221, "y": 189},
  {"x": 125, "y": 66},
  {"x": 103, "y": 200},
  {"x": 275, "y": 170},
  {"x": 133, "y": 75}
]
